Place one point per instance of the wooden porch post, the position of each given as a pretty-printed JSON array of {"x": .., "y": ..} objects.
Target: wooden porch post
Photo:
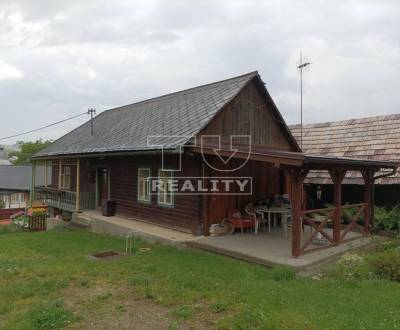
[
  {"x": 368, "y": 179},
  {"x": 59, "y": 173},
  {"x": 78, "y": 185},
  {"x": 337, "y": 178},
  {"x": 45, "y": 173},
  {"x": 33, "y": 182},
  {"x": 296, "y": 177},
  {"x": 205, "y": 200}
]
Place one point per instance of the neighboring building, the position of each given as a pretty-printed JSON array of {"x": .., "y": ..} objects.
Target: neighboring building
[
  {"x": 375, "y": 138},
  {"x": 5, "y": 162},
  {"x": 15, "y": 185},
  {"x": 173, "y": 139}
]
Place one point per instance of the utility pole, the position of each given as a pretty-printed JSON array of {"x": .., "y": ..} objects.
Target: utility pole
[
  {"x": 91, "y": 112},
  {"x": 301, "y": 66}
]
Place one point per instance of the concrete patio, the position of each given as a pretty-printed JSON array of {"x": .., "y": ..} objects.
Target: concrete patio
[
  {"x": 266, "y": 248},
  {"x": 271, "y": 249},
  {"x": 122, "y": 226}
]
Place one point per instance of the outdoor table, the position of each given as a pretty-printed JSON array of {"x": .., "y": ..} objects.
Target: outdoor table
[{"x": 284, "y": 211}]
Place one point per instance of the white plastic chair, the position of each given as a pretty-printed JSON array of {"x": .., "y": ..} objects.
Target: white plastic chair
[{"x": 249, "y": 209}]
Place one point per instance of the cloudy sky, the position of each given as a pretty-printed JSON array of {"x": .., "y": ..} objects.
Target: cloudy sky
[{"x": 57, "y": 58}]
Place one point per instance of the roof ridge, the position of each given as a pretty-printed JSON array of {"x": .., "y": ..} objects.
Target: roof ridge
[
  {"x": 388, "y": 116},
  {"x": 252, "y": 73}
]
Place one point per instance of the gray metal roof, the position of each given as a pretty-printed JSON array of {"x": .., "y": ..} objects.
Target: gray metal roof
[
  {"x": 20, "y": 177},
  {"x": 127, "y": 128}
]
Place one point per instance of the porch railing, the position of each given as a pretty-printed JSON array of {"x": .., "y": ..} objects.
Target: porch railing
[
  {"x": 65, "y": 200},
  {"x": 319, "y": 219}
]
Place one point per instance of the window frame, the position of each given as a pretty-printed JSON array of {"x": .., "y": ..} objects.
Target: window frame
[
  {"x": 63, "y": 176},
  {"x": 6, "y": 198},
  {"x": 139, "y": 181},
  {"x": 17, "y": 198},
  {"x": 164, "y": 204}
]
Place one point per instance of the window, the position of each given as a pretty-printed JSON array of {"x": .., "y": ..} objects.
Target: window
[
  {"x": 66, "y": 178},
  {"x": 5, "y": 200},
  {"x": 143, "y": 185},
  {"x": 17, "y": 198},
  {"x": 165, "y": 194}
]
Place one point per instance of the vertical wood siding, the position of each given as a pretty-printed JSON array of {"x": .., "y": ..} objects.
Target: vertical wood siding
[
  {"x": 267, "y": 181},
  {"x": 249, "y": 114}
]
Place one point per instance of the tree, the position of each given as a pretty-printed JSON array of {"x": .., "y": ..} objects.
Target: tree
[{"x": 27, "y": 149}]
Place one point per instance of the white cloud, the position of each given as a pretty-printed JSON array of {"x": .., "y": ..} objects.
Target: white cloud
[
  {"x": 7, "y": 71},
  {"x": 72, "y": 55}
]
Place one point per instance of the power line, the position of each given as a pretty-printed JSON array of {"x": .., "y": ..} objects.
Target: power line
[{"x": 47, "y": 126}]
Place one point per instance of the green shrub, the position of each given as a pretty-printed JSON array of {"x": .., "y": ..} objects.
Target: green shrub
[
  {"x": 387, "y": 245},
  {"x": 387, "y": 218},
  {"x": 349, "y": 213},
  {"x": 53, "y": 316},
  {"x": 350, "y": 266},
  {"x": 387, "y": 264}
]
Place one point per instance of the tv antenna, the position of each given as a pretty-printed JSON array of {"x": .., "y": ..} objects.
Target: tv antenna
[
  {"x": 91, "y": 112},
  {"x": 301, "y": 66}
]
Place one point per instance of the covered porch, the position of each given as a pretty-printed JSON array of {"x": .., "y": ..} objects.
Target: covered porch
[
  {"x": 312, "y": 230},
  {"x": 68, "y": 186}
]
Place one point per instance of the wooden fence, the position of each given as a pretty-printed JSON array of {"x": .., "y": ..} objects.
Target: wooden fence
[{"x": 37, "y": 223}]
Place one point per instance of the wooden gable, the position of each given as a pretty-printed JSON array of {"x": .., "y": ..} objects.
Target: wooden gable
[{"x": 250, "y": 113}]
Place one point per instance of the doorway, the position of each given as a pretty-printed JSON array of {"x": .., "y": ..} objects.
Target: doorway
[{"x": 103, "y": 185}]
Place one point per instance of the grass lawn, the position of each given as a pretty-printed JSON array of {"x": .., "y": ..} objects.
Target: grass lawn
[{"x": 48, "y": 281}]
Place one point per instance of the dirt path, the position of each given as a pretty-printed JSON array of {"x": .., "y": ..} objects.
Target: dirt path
[{"x": 122, "y": 308}]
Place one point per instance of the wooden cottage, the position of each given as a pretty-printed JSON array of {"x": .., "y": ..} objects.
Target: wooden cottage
[{"x": 214, "y": 133}]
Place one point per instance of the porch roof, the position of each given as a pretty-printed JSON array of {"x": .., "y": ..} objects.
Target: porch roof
[
  {"x": 293, "y": 159},
  {"x": 314, "y": 161},
  {"x": 376, "y": 138}
]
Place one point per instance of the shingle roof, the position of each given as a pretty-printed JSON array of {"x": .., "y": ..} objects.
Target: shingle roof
[
  {"x": 19, "y": 177},
  {"x": 126, "y": 128},
  {"x": 376, "y": 138}
]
